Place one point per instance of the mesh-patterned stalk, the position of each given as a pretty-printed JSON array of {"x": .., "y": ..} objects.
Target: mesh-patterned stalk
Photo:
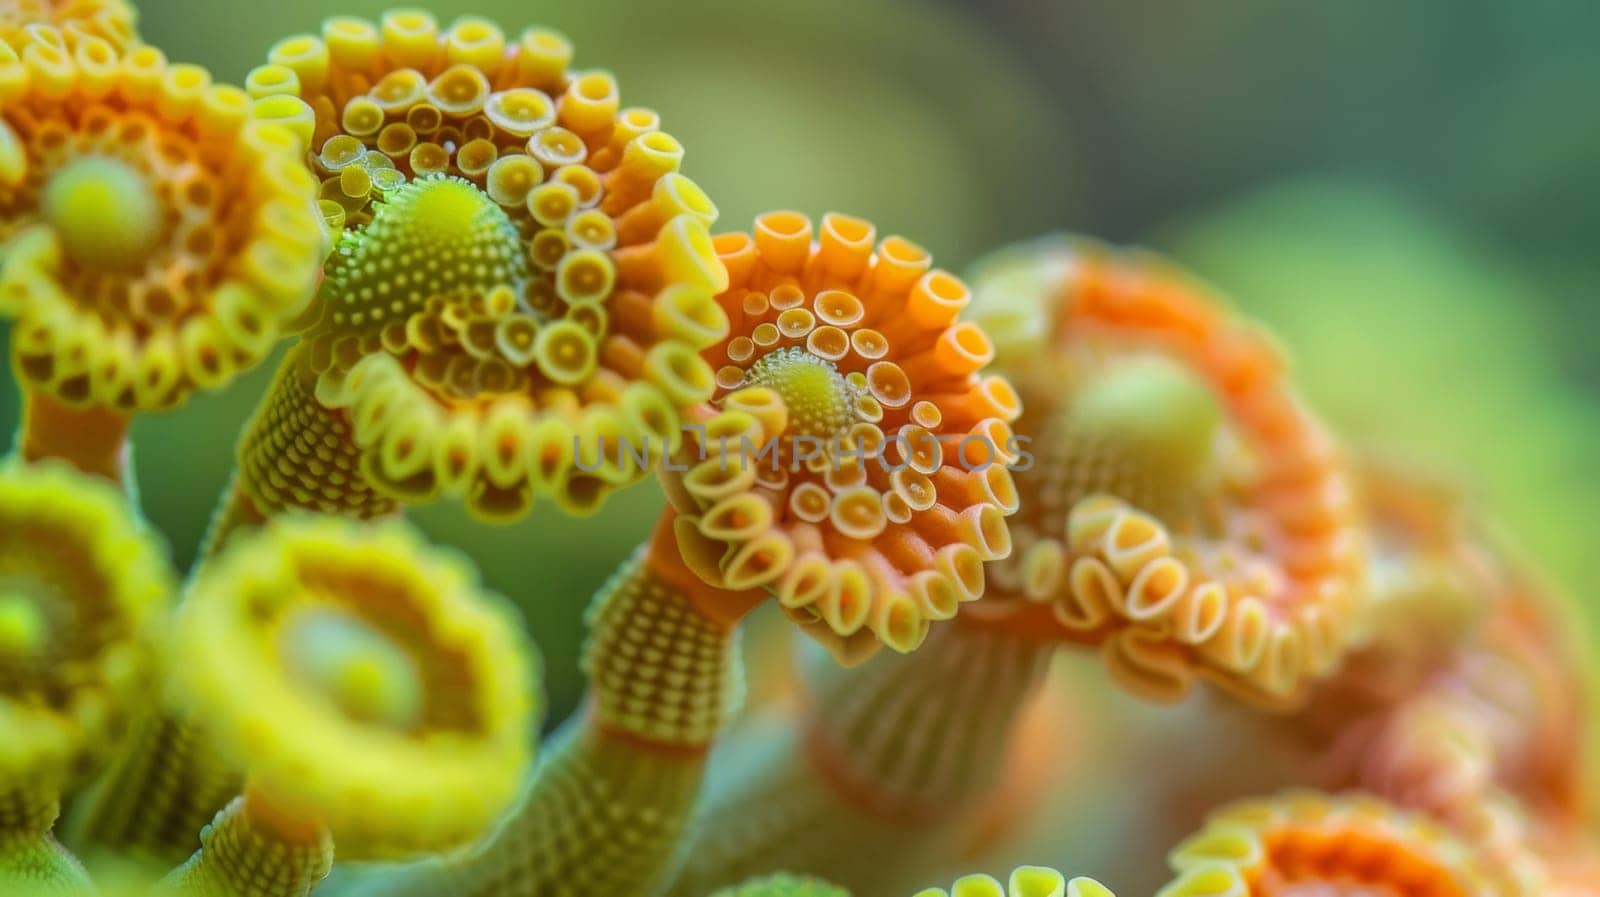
[
  {"x": 610, "y": 807},
  {"x": 892, "y": 755}
]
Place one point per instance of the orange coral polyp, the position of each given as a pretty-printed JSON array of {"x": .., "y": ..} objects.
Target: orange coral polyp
[
  {"x": 133, "y": 278},
  {"x": 1300, "y": 843},
  {"x": 831, "y": 468},
  {"x": 1186, "y": 546}
]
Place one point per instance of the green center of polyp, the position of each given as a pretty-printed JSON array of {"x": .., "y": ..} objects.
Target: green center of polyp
[
  {"x": 817, "y": 396},
  {"x": 24, "y": 631},
  {"x": 363, "y": 672},
  {"x": 105, "y": 213},
  {"x": 1156, "y": 411}
]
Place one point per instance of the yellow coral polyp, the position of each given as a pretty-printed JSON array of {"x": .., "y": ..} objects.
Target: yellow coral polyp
[
  {"x": 1190, "y": 517},
  {"x": 855, "y": 460},
  {"x": 1306, "y": 842},
  {"x": 82, "y": 584},
  {"x": 389, "y": 698},
  {"x": 134, "y": 274},
  {"x": 523, "y": 264},
  {"x": 1024, "y": 881}
]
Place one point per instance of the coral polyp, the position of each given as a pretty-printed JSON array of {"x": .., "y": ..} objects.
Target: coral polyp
[
  {"x": 1192, "y": 517},
  {"x": 857, "y": 463},
  {"x": 134, "y": 274},
  {"x": 525, "y": 276},
  {"x": 389, "y": 699}
]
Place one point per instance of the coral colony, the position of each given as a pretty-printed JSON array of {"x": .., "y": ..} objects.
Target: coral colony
[{"x": 499, "y": 290}]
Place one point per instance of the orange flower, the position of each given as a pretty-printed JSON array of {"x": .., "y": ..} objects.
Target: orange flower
[
  {"x": 854, "y": 461},
  {"x": 1185, "y": 514}
]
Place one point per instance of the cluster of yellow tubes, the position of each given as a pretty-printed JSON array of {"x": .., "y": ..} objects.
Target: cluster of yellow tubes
[{"x": 501, "y": 289}]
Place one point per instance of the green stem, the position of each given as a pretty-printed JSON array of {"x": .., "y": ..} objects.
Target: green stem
[
  {"x": 239, "y": 856},
  {"x": 32, "y": 862},
  {"x": 609, "y": 809}
]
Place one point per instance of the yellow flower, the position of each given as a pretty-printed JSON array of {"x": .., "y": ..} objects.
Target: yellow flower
[
  {"x": 854, "y": 460},
  {"x": 526, "y": 277},
  {"x": 1185, "y": 513},
  {"x": 361, "y": 679},
  {"x": 158, "y": 237},
  {"x": 81, "y": 585}
]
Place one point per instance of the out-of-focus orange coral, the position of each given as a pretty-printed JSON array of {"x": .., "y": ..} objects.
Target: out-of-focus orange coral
[
  {"x": 1310, "y": 843},
  {"x": 1185, "y": 512},
  {"x": 523, "y": 280},
  {"x": 158, "y": 236},
  {"x": 855, "y": 461}
]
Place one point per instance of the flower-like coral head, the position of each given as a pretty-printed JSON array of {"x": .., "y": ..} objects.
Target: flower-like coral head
[
  {"x": 112, "y": 21},
  {"x": 526, "y": 277},
  {"x": 1308, "y": 843},
  {"x": 854, "y": 461},
  {"x": 1185, "y": 513},
  {"x": 363, "y": 680},
  {"x": 81, "y": 585},
  {"x": 1024, "y": 881},
  {"x": 159, "y": 236}
]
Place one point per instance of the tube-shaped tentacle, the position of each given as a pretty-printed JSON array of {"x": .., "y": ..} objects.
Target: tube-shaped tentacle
[
  {"x": 159, "y": 232},
  {"x": 891, "y": 757},
  {"x": 390, "y": 706},
  {"x": 28, "y": 21},
  {"x": 82, "y": 586},
  {"x": 1183, "y": 511}
]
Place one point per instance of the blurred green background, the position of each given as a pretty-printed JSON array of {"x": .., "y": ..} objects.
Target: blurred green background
[{"x": 1406, "y": 190}]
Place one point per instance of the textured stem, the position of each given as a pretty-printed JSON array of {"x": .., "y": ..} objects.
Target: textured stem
[
  {"x": 151, "y": 804},
  {"x": 92, "y": 439},
  {"x": 895, "y": 750},
  {"x": 610, "y": 807},
  {"x": 32, "y": 862},
  {"x": 246, "y": 852}
]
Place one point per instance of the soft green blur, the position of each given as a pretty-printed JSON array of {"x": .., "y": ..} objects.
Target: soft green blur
[{"x": 1435, "y": 280}]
